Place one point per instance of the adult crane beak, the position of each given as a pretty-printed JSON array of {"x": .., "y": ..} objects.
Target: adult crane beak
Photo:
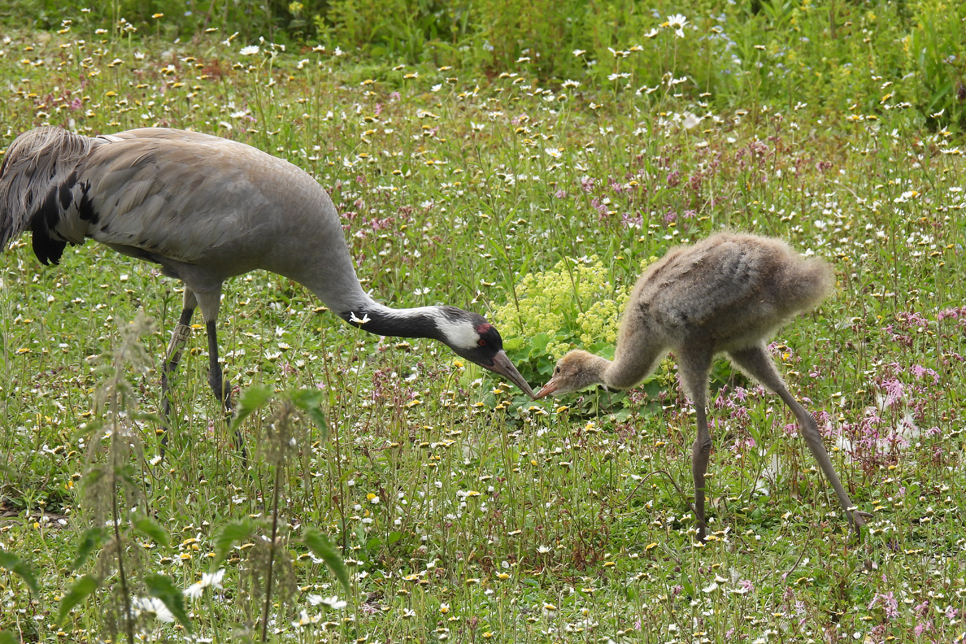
[{"x": 503, "y": 366}]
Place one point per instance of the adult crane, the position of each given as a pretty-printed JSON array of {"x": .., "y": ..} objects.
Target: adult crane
[{"x": 206, "y": 209}]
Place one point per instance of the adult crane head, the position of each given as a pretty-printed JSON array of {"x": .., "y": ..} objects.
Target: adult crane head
[{"x": 468, "y": 334}]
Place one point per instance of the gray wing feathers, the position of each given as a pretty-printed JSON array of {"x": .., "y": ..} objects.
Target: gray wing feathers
[
  {"x": 203, "y": 207},
  {"x": 150, "y": 189},
  {"x": 158, "y": 195}
]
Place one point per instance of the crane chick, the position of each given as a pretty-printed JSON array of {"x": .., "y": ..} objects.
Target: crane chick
[
  {"x": 207, "y": 209},
  {"x": 726, "y": 294}
]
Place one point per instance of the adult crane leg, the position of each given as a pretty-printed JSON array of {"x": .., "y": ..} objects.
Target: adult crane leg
[
  {"x": 219, "y": 386},
  {"x": 210, "y": 302},
  {"x": 694, "y": 370},
  {"x": 173, "y": 358},
  {"x": 756, "y": 362}
]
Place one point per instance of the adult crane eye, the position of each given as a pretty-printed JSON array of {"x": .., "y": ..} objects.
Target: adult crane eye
[{"x": 481, "y": 342}]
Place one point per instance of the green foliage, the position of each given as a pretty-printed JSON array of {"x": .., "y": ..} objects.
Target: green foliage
[
  {"x": 151, "y": 529},
  {"x": 163, "y": 588},
  {"x": 79, "y": 591},
  {"x": 935, "y": 53},
  {"x": 870, "y": 56},
  {"x": 92, "y": 539},
  {"x": 230, "y": 533},
  {"x": 310, "y": 402},
  {"x": 317, "y": 542},
  {"x": 251, "y": 400},
  {"x": 16, "y": 565},
  {"x": 572, "y": 305},
  {"x": 452, "y": 512}
]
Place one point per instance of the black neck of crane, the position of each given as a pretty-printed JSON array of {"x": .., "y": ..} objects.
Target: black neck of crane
[{"x": 396, "y": 324}]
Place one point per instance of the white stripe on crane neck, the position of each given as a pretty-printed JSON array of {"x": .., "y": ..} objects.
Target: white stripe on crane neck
[{"x": 458, "y": 333}]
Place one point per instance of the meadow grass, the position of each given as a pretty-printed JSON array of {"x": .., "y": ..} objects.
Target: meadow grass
[{"x": 464, "y": 511}]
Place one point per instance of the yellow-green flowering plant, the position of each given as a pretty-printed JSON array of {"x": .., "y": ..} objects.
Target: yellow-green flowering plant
[{"x": 572, "y": 305}]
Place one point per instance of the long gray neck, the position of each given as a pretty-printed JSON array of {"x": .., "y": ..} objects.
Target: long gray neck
[
  {"x": 635, "y": 359},
  {"x": 322, "y": 264}
]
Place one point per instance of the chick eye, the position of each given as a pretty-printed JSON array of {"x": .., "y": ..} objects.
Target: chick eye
[
  {"x": 481, "y": 342},
  {"x": 557, "y": 370}
]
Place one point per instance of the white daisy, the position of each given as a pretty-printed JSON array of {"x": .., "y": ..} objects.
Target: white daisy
[{"x": 677, "y": 23}]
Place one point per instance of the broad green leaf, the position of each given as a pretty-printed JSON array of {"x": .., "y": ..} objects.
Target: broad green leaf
[
  {"x": 232, "y": 531},
  {"x": 126, "y": 473},
  {"x": 78, "y": 592},
  {"x": 89, "y": 428},
  {"x": 92, "y": 539},
  {"x": 252, "y": 399},
  {"x": 393, "y": 537},
  {"x": 161, "y": 587},
  {"x": 373, "y": 543},
  {"x": 152, "y": 529},
  {"x": 92, "y": 476},
  {"x": 19, "y": 567},
  {"x": 145, "y": 416},
  {"x": 318, "y": 416},
  {"x": 539, "y": 342},
  {"x": 321, "y": 548},
  {"x": 303, "y": 398},
  {"x": 512, "y": 344},
  {"x": 308, "y": 401},
  {"x": 6, "y": 637}
]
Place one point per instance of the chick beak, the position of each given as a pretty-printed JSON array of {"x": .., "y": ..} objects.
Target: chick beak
[
  {"x": 547, "y": 389},
  {"x": 503, "y": 366}
]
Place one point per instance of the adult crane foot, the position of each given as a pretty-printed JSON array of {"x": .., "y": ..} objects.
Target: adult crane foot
[{"x": 857, "y": 521}]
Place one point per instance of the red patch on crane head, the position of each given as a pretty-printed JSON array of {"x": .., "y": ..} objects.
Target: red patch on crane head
[{"x": 483, "y": 328}]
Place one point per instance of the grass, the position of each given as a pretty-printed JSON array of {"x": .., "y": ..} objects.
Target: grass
[{"x": 464, "y": 512}]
